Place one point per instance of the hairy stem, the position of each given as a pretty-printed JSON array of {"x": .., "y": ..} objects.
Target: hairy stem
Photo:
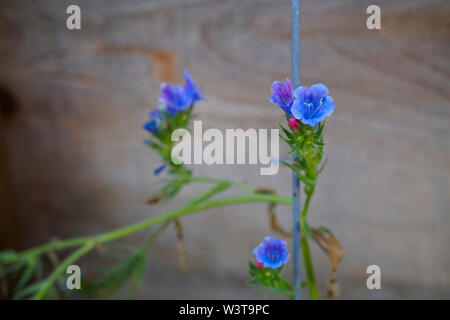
[
  {"x": 305, "y": 247},
  {"x": 309, "y": 269},
  {"x": 125, "y": 231}
]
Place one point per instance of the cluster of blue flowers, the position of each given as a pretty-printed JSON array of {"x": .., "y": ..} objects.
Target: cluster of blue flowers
[
  {"x": 173, "y": 99},
  {"x": 177, "y": 98},
  {"x": 156, "y": 119},
  {"x": 271, "y": 253},
  {"x": 310, "y": 105}
]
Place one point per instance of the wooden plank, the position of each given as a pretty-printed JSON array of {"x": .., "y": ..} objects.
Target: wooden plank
[{"x": 79, "y": 166}]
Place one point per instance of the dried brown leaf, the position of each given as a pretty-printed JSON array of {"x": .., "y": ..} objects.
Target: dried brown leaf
[
  {"x": 53, "y": 257},
  {"x": 99, "y": 247},
  {"x": 182, "y": 256},
  {"x": 274, "y": 224},
  {"x": 334, "y": 251},
  {"x": 155, "y": 199}
]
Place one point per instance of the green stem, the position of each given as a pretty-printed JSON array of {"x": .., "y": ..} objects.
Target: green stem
[
  {"x": 213, "y": 180},
  {"x": 62, "y": 267},
  {"x": 122, "y": 232},
  {"x": 309, "y": 269},
  {"x": 305, "y": 248},
  {"x": 55, "y": 245},
  {"x": 156, "y": 234},
  {"x": 87, "y": 243}
]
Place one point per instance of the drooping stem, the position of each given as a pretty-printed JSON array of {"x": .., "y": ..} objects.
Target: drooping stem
[
  {"x": 75, "y": 242},
  {"x": 88, "y": 242},
  {"x": 122, "y": 232},
  {"x": 125, "y": 231}
]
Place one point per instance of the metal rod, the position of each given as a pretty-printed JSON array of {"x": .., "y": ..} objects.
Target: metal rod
[{"x": 295, "y": 19}]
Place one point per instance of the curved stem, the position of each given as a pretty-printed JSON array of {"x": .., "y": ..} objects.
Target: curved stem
[
  {"x": 62, "y": 267},
  {"x": 122, "y": 232},
  {"x": 55, "y": 245},
  {"x": 125, "y": 231},
  {"x": 213, "y": 180},
  {"x": 87, "y": 243}
]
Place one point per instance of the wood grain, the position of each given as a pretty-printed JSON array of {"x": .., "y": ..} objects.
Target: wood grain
[{"x": 78, "y": 166}]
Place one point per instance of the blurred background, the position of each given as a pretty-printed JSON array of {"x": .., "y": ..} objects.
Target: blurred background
[{"x": 72, "y": 161}]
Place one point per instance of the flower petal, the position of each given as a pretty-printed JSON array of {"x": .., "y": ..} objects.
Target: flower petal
[
  {"x": 320, "y": 90},
  {"x": 295, "y": 109},
  {"x": 298, "y": 109},
  {"x": 159, "y": 169},
  {"x": 302, "y": 92},
  {"x": 313, "y": 121},
  {"x": 190, "y": 88},
  {"x": 328, "y": 106}
]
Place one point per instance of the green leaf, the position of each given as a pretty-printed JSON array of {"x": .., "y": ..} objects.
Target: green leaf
[
  {"x": 286, "y": 132},
  {"x": 138, "y": 274},
  {"x": 27, "y": 274},
  {"x": 12, "y": 267},
  {"x": 29, "y": 290},
  {"x": 115, "y": 277},
  {"x": 323, "y": 165},
  {"x": 7, "y": 256},
  {"x": 304, "y": 179},
  {"x": 318, "y": 142}
]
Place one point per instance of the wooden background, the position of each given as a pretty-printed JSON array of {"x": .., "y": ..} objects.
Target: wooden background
[{"x": 72, "y": 160}]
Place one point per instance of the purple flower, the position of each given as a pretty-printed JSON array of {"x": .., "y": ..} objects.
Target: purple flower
[
  {"x": 272, "y": 253},
  {"x": 177, "y": 98},
  {"x": 156, "y": 118},
  {"x": 312, "y": 105},
  {"x": 282, "y": 95}
]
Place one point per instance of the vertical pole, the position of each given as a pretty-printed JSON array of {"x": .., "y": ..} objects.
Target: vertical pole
[{"x": 295, "y": 19}]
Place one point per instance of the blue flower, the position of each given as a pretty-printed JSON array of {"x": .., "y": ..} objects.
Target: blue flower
[
  {"x": 190, "y": 89},
  {"x": 159, "y": 169},
  {"x": 154, "y": 125},
  {"x": 282, "y": 95},
  {"x": 272, "y": 253},
  {"x": 177, "y": 98},
  {"x": 312, "y": 105}
]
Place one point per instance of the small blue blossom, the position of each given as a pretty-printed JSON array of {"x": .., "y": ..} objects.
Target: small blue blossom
[
  {"x": 312, "y": 105},
  {"x": 159, "y": 169},
  {"x": 190, "y": 89},
  {"x": 272, "y": 253},
  {"x": 177, "y": 98},
  {"x": 282, "y": 95},
  {"x": 156, "y": 118}
]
